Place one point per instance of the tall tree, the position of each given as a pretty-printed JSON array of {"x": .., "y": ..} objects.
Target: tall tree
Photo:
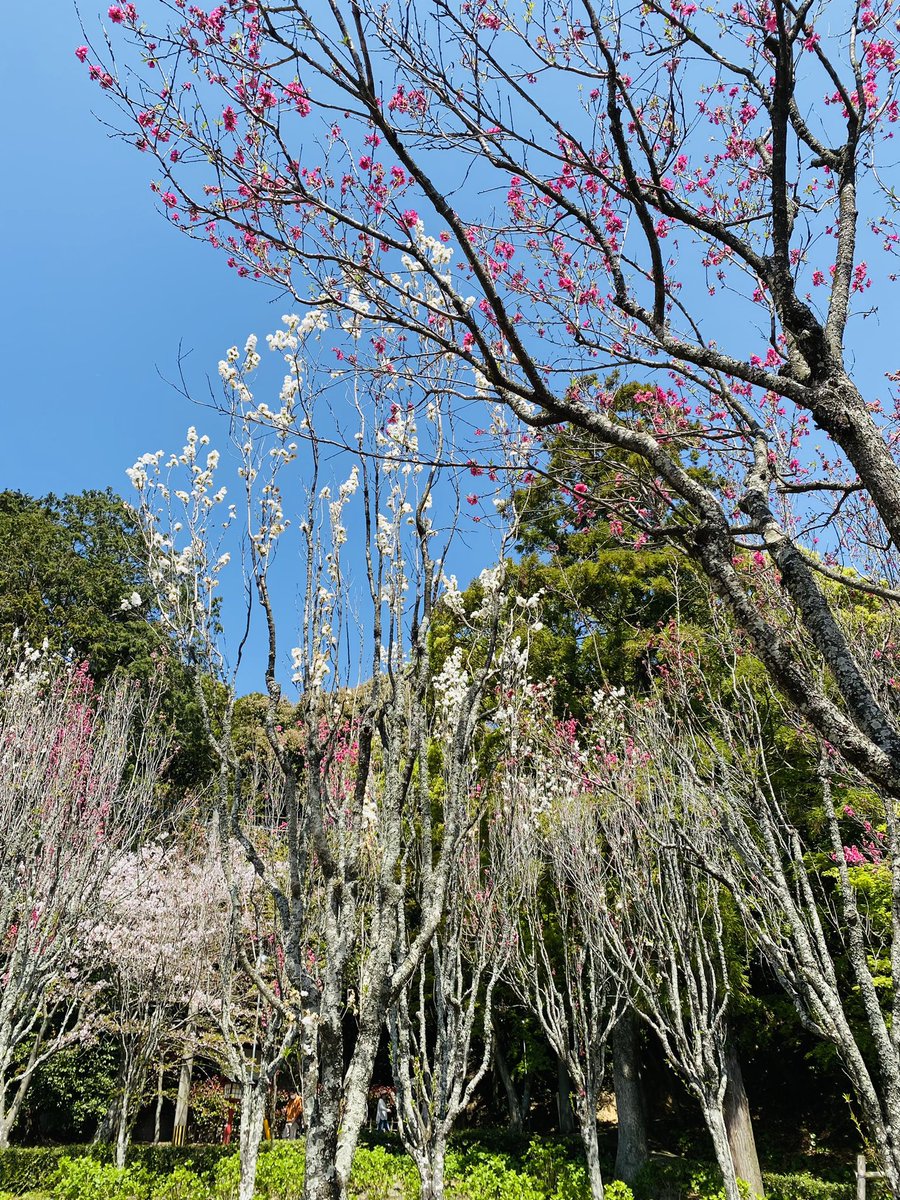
[
  {"x": 78, "y": 780},
  {"x": 645, "y": 158},
  {"x": 353, "y": 777}
]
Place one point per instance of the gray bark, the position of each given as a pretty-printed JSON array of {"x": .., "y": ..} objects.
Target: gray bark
[
  {"x": 123, "y": 1125},
  {"x": 739, "y": 1125},
  {"x": 185, "y": 1074},
  {"x": 564, "y": 1099},
  {"x": 715, "y": 1123},
  {"x": 587, "y": 1122},
  {"x": 157, "y": 1116},
  {"x": 631, "y": 1146},
  {"x": 183, "y": 1102},
  {"x": 253, "y": 1111}
]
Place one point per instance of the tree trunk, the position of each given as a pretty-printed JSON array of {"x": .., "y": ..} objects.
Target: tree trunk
[
  {"x": 430, "y": 1165},
  {"x": 183, "y": 1102},
  {"x": 631, "y": 1147},
  {"x": 253, "y": 1111},
  {"x": 157, "y": 1115},
  {"x": 564, "y": 1099},
  {"x": 122, "y": 1127},
  {"x": 715, "y": 1123},
  {"x": 355, "y": 1095},
  {"x": 321, "y": 1180},
  {"x": 9, "y": 1109},
  {"x": 107, "y": 1124},
  {"x": 739, "y": 1126},
  {"x": 512, "y": 1100},
  {"x": 183, "y": 1099},
  {"x": 6, "y": 1124},
  {"x": 587, "y": 1122}
]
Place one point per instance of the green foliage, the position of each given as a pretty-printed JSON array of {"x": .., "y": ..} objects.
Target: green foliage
[
  {"x": 88, "y": 1179},
  {"x": 803, "y": 1186},
  {"x": 66, "y": 566},
  {"x": 381, "y": 1174},
  {"x": 476, "y": 1175},
  {"x": 27, "y": 1168},
  {"x": 617, "y": 1190},
  {"x": 181, "y": 1184},
  {"x": 689, "y": 1180},
  {"x": 546, "y": 1171},
  {"x": 550, "y": 1163},
  {"x": 208, "y": 1111},
  {"x": 31, "y": 1168},
  {"x": 72, "y": 1091}
]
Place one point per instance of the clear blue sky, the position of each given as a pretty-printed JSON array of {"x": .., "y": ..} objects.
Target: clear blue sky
[{"x": 97, "y": 290}]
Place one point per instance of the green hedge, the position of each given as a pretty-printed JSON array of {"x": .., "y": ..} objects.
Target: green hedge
[
  {"x": 681, "y": 1179},
  {"x": 33, "y": 1168},
  {"x": 804, "y": 1186},
  {"x": 547, "y": 1169}
]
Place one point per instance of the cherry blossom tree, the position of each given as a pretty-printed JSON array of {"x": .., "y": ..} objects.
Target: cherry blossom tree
[
  {"x": 326, "y": 839},
  {"x": 78, "y": 771},
  {"x": 699, "y": 197},
  {"x": 156, "y": 940}
]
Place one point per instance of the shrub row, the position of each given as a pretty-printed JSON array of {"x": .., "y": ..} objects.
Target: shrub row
[
  {"x": 544, "y": 1170},
  {"x": 677, "y": 1179}
]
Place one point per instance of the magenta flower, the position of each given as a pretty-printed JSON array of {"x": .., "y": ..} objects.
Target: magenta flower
[
  {"x": 116, "y": 15},
  {"x": 81, "y": 53},
  {"x": 229, "y": 119}
]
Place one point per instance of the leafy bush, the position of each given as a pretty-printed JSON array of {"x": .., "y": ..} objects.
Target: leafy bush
[
  {"x": 163, "y": 1160},
  {"x": 379, "y": 1173},
  {"x": 546, "y": 1170},
  {"x": 617, "y": 1190},
  {"x": 803, "y": 1186},
  {"x": 181, "y": 1184},
  {"x": 88, "y": 1179},
  {"x": 475, "y": 1175},
  {"x": 680, "y": 1179},
  {"x": 208, "y": 1111},
  {"x": 33, "y": 1168}
]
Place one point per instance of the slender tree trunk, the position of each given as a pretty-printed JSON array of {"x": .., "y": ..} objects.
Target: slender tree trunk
[
  {"x": 715, "y": 1123},
  {"x": 183, "y": 1099},
  {"x": 631, "y": 1147},
  {"x": 183, "y": 1102},
  {"x": 512, "y": 1100},
  {"x": 11, "y": 1101},
  {"x": 355, "y": 1094},
  {"x": 438, "y": 1155},
  {"x": 564, "y": 1098},
  {"x": 253, "y": 1111},
  {"x": 6, "y": 1122},
  {"x": 9, "y": 1109},
  {"x": 739, "y": 1126},
  {"x": 107, "y": 1124},
  {"x": 157, "y": 1119},
  {"x": 587, "y": 1122},
  {"x": 122, "y": 1126}
]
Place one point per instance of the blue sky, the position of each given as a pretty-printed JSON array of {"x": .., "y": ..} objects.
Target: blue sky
[{"x": 98, "y": 291}]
